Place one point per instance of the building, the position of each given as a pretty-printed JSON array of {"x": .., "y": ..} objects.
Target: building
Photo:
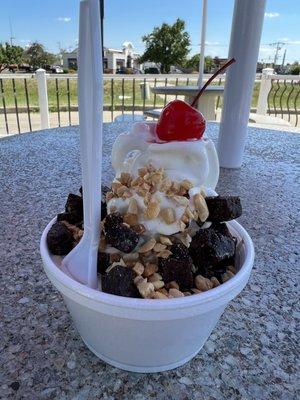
[{"x": 113, "y": 60}]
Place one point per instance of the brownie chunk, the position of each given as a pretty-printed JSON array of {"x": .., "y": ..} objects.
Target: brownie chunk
[
  {"x": 179, "y": 252},
  {"x": 223, "y": 208},
  {"x": 119, "y": 281},
  {"x": 121, "y": 237},
  {"x": 74, "y": 206},
  {"x": 68, "y": 217},
  {"x": 104, "y": 190},
  {"x": 172, "y": 269},
  {"x": 103, "y": 210},
  {"x": 102, "y": 262},
  {"x": 212, "y": 246},
  {"x": 113, "y": 219},
  {"x": 59, "y": 239}
]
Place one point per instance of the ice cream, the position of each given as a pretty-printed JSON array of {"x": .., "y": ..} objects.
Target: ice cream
[
  {"x": 194, "y": 160},
  {"x": 164, "y": 233}
]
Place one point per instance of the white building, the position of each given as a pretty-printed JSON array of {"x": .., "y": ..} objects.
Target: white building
[{"x": 113, "y": 61}]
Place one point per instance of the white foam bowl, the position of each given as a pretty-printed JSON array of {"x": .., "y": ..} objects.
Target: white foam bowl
[{"x": 142, "y": 335}]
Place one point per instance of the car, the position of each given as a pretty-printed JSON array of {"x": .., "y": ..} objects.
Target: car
[
  {"x": 53, "y": 69},
  {"x": 152, "y": 70}
]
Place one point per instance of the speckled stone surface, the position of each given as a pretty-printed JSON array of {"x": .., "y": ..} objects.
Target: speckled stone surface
[{"x": 251, "y": 354}]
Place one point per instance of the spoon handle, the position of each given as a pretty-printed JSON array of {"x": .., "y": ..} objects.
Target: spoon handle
[{"x": 90, "y": 102}]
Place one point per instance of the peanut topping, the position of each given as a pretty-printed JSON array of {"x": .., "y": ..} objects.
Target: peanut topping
[
  {"x": 133, "y": 207},
  {"x": 125, "y": 178},
  {"x": 165, "y": 240},
  {"x": 158, "y": 284},
  {"x": 150, "y": 269},
  {"x": 202, "y": 283},
  {"x": 138, "y": 268},
  {"x": 175, "y": 293},
  {"x": 164, "y": 254},
  {"x": 147, "y": 246},
  {"x": 167, "y": 215},
  {"x": 146, "y": 289},
  {"x": 130, "y": 219},
  {"x": 201, "y": 207},
  {"x": 152, "y": 210},
  {"x": 159, "y": 296},
  {"x": 159, "y": 247}
]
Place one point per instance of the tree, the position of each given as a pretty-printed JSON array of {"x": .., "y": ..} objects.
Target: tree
[
  {"x": 193, "y": 63},
  {"x": 37, "y": 56},
  {"x": 167, "y": 45},
  {"x": 10, "y": 54},
  {"x": 295, "y": 68}
]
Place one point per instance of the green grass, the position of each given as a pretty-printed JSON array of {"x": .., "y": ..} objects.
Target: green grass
[{"x": 118, "y": 89}]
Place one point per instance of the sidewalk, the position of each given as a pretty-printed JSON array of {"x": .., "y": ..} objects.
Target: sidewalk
[{"x": 107, "y": 117}]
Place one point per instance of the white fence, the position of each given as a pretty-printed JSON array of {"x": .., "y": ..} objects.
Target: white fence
[{"x": 278, "y": 95}]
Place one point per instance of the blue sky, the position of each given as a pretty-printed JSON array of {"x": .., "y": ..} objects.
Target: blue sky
[{"x": 56, "y": 21}]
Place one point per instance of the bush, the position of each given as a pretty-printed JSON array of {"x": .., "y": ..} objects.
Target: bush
[
  {"x": 66, "y": 70},
  {"x": 295, "y": 70}
]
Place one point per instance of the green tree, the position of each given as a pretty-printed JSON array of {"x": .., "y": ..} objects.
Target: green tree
[
  {"x": 193, "y": 63},
  {"x": 167, "y": 45},
  {"x": 37, "y": 56},
  {"x": 295, "y": 68},
  {"x": 10, "y": 54}
]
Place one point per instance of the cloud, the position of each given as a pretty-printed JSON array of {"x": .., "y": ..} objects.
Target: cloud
[
  {"x": 64, "y": 19},
  {"x": 266, "y": 50},
  {"x": 211, "y": 43},
  {"x": 272, "y": 14}
]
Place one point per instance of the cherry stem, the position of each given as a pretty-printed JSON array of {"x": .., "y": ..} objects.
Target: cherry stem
[{"x": 229, "y": 62}]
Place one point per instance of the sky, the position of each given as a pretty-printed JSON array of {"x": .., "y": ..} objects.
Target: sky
[{"x": 55, "y": 24}]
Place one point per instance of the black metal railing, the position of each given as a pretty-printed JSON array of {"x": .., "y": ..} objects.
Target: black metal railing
[
  {"x": 19, "y": 103},
  {"x": 284, "y": 99}
]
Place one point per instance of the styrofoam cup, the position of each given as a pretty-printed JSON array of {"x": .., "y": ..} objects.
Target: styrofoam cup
[{"x": 145, "y": 335}]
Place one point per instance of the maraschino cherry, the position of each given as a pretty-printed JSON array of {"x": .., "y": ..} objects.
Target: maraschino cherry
[{"x": 181, "y": 121}]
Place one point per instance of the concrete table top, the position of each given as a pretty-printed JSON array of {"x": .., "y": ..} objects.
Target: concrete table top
[
  {"x": 251, "y": 354},
  {"x": 187, "y": 90}
]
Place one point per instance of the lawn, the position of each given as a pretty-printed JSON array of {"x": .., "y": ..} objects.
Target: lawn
[{"x": 129, "y": 88}]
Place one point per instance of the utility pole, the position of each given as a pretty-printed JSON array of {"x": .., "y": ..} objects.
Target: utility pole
[
  {"x": 11, "y": 34},
  {"x": 283, "y": 60},
  {"x": 278, "y": 46}
]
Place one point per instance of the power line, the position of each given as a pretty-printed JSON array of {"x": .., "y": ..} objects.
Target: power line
[
  {"x": 278, "y": 46},
  {"x": 11, "y": 34}
]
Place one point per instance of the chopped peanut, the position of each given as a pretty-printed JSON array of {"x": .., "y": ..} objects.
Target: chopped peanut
[
  {"x": 130, "y": 219},
  {"x": 152, "y": 210},
  {"x": 150, "y": 269},
  {"x": 133, "y": 207},
  {"x": 165, "y": 240},
  {"x": 167, "y": 215},
  {"x": 158, "y": 284},
  {"x": 146, "y": 289},
  {"x": 147, "y": 246},
  {"x": 201, "y": 207},
  {"x": 159, "y": 247},
  {"x": 176, "y": 293},
  {"x": 138, "y": 268},
  {"x": 202, "y": 283}
]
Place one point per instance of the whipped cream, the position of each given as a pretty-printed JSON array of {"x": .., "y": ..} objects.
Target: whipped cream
[
  {"x": 156, "y": 225},
  {"x": 195, "y": 160}
]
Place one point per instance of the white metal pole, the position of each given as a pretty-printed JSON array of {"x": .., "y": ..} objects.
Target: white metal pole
[
  {"x": 246, "y": 31},
  {"x": 202, "y": 45},
  {"x": 264, "y": 89},
  {"x": 43, "y": 98}
]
